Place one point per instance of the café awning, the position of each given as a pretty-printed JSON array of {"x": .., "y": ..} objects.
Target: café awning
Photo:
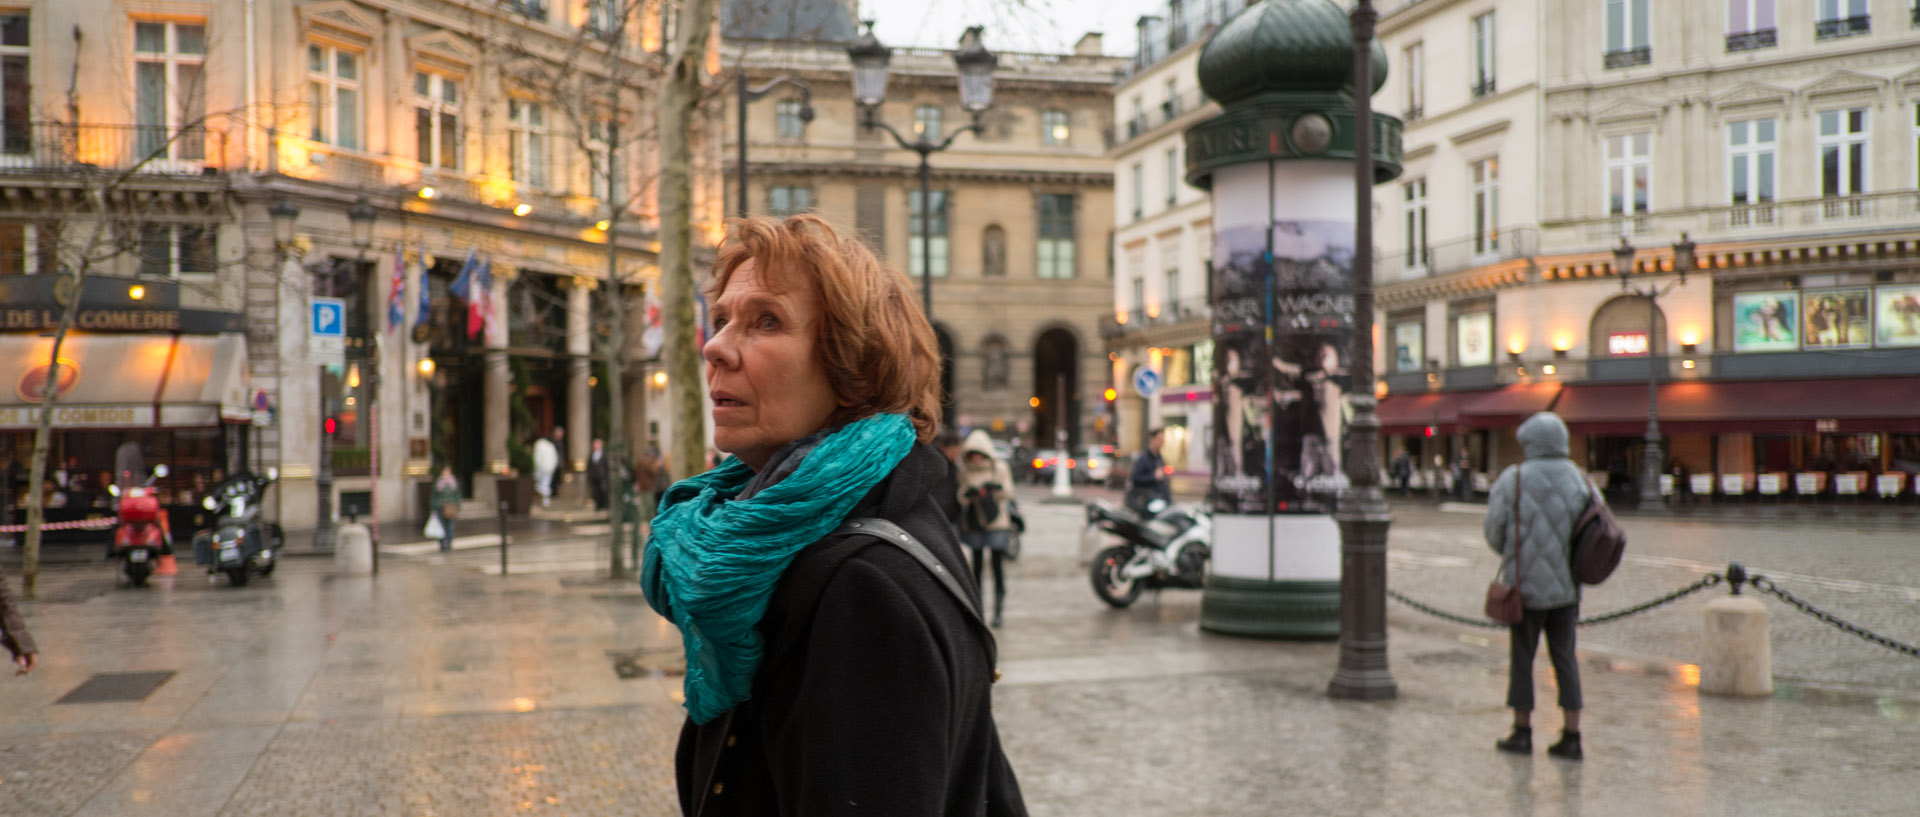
[
  {"x": 1844, "y": 405},
  {"x": 1509, "y": 407},
  {"x": 127, "y": 381},
  {"x": 1413, "y": 413}
]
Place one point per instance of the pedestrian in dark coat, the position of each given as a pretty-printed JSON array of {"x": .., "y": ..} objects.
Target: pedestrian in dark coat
[
  {"x": 1554, "y": 492},
  {"x": 597, "y": 474},
  {"x": 829, "y": 672},
  {"x": 13, "y": 630}
]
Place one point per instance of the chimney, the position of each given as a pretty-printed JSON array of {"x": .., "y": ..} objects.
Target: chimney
[{"x": 1088, "y": 45}]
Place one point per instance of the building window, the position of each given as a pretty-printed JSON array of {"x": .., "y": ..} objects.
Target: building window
[
  {"x": 1750, "y": 25},
  {"x": 166, "y": 251},
  {"x": 1483, "y": 46},
  {"x": 1173, "y": 175},
  {"x": 1415, "y": 195},
  {"x": 1170, "y": 100},
  {"x": 1629, "y": 170},
  {"x": 1170, "y": 297},
  {"x": 993, "y": 252},
  {"x": 1750, "y": 171},
  {"x": 1415, "y": 62},
  {"x": 603, "y": 17},
  {"x": 788, "y": 118},
  {"x": 1916, "y": 130},
  {"x": 527, "y": 138},
  {"x": 1843, "y": 160},
  {"x": 436, "y": 120},
  {"x": 1055, "y": 128},
  {"x": 1139, "y": 189},
  {"x": 1627, "y": 34},
  {"x": 16, "y": 86},
  {"x": 1138, "y": 124},
  {"x": 169, "y": 86},
  {"x": 785, "y": 201},
  {"x": 1485, "y": 176},
  {"x": 1842, "y": 18},
  {"x": 926, "y": 122},
  {"x": 1139, "y": 296},
  {"x": 934, "y": 239},
  {"x": 1056, "y": 243},
  {"x": 333, "y": 96}
]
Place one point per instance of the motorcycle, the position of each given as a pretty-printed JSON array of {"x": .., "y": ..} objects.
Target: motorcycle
[
  {"x": 140, "y": 535},
  {"x": 239, "y": 544},
  {"x": 1165, "y": 547}
]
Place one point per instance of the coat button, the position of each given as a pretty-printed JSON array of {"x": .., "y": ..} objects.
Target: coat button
[
  {"x": 718, "y": 787},
  {"x": 996, "y": 676},
  {"x": 731, "y": 739}
]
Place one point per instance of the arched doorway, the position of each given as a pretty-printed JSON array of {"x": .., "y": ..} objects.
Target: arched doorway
[
  {"x": 1620, "y": 325},
  {"x": 1056, "y": 361},
  {"x": 947, "y": 408}
]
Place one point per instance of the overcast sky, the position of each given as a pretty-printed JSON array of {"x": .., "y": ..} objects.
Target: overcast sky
[{"x": 1012, "y": 25}]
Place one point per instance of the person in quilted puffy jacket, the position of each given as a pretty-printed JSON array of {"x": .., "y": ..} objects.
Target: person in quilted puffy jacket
[{"x": 1553, "y": 494}]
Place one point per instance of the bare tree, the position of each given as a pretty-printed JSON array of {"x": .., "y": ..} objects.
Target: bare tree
[{"x": 680, "y": 99}]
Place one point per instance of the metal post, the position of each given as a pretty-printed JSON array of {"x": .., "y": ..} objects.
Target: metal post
[
  {"x": 373, "y": 455},
  {"x": 926, "y": 229},
  {"x": 1650, "y": 460},
  {"x": 503, "y": 539},
  {"x": 1363, "y": 516},
  {"x": 323, "y": 471},
  {"x": 1062, "y": 481},
  {"x": 740, "y": 94}
]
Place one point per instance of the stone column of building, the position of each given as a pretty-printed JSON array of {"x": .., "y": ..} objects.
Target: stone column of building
[
  {"x": 1278, "y": 161},
  {"x": 497, "y": 380},
  {"x": 580, "y": 431}
]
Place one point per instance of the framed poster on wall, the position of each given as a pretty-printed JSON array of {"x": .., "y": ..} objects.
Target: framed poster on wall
[
  {"x": 1897, "y": 311},
  {"x": 1473, "y": 339},
  {"x": 1766, "y": 321},
  {"x": 1409, "y": 346},
  {"x": 1837, "y": 318}
]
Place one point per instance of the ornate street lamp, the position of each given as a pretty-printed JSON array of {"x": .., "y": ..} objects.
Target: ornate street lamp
[
  {"x": 1650, "y": 455},
  {"x": 284, "y": 214},
  {"x": 360, "y": 224}
]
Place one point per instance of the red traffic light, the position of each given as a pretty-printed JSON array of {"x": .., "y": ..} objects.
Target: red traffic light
[
  {"x": 1429, "y": 431},
  {"x": 330, "y": 425}
]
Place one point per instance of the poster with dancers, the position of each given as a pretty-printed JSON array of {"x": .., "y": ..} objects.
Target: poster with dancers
[{"x": 1766, "y": 321}]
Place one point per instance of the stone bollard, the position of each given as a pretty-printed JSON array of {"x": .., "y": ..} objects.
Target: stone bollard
[
  {"x": 1738, "y": 658},
  {"x": 352, "y": 550}
]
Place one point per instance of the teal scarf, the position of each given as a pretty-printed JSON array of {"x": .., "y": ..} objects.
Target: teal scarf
[{"x": 713, "y": 560}]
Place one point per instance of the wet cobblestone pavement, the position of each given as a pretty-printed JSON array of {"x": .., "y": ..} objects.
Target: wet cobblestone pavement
[{"x": 437, "y": 689}]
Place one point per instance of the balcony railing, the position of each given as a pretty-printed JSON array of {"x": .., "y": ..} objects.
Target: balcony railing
[
  {"x": 41, "y": 146},
  {"x": 1483, "y": 88},
  {"x": 1167, "y": 111},
  {"x": 1735, "y": 221},
  {"x": 1413, "y": 114},
  {"x": 1752, "y": 40},
  {"x": 1166, "y": 315},
  {"x": 1630, "y": 57},
  {"x": 1842, "y": 27},
  {"x": 1460, "y": 254}
]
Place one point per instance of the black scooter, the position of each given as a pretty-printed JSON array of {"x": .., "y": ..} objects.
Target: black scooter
[{"x": 239, "y": 543}]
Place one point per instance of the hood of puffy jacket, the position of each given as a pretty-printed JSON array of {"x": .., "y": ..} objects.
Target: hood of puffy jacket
[
  {"x": 1543, "y": 435},
  {"x": 977, "y": 443}
]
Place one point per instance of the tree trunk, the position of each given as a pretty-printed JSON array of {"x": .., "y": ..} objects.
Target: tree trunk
[
  {"x": 615, "y": 455},
  {"x": 679, "y": 100},
  {"x": 42, "y": 437}
]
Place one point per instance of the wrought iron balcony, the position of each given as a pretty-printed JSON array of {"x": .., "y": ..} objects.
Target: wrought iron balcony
[
  {"x": 148, "y": 149},
  {"x": 1752, "y": 40},
  {"x": 1630, "y": 57},
  {"x": 1483, "y": 89},
  {"x": 1460, "y": 254},
  {"x": 1842, "y": 27}
]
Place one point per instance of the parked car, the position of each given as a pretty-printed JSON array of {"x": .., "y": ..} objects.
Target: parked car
[
  {"x": 1043, "y": 463},
  {"x": 1095, "y": 466}
]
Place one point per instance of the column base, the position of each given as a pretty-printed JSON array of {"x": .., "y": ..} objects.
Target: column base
[{"x": 1283, "y": 609}]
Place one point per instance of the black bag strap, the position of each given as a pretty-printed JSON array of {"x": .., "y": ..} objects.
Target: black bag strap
[
  {"x": 1519, "y": 532},
  {"x": 897, "y": 536}
]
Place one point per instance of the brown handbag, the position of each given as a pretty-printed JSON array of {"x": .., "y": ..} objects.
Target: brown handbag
[{"x": 1503, "y": 600}]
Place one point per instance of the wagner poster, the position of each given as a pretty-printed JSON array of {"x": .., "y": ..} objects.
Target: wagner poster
[
  {"x": 1898, "y": 311},
  {"x": 1837, "y": 318},
  {"x": 1766, "y": 321}
]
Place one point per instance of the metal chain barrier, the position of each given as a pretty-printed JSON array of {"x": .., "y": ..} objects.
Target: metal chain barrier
[
  {"x": 1705, "y": 582},
  {"x": 1765, "y": 585}
]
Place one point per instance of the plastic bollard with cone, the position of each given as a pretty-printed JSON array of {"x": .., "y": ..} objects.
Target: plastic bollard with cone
[
  {"x": 353, "y": 550},
  {"x": 1737, "y": 657}
]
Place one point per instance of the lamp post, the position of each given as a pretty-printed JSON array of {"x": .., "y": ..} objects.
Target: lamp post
[
  {"x": 360, "y": 231},
  {"x": 1623, "y": 264},
  {"x": 975, "y": 64},
  {"x": 744, "y": 94},
  {"x": 283, "y": 215}
]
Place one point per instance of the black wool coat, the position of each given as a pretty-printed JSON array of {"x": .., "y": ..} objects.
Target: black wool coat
[{"x": 875, "y": 693}]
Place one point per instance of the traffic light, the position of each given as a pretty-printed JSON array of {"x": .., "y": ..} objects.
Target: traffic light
[
  {"x": 329, "y": 426},
  {"x": 1430, "y": 431}
]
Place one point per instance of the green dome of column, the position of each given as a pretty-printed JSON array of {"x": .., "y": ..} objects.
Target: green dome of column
[{"x": 1286, "y": 46}]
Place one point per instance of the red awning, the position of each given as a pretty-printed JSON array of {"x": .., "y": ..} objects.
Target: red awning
[
  {"x": 1413, "y": 413},
  {"x": 1882, "y": 404},
  {"x": 1510, "y": 406}
]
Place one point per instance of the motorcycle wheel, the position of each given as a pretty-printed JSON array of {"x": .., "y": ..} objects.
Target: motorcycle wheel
[
  {"x": 1108, "y": 584},
  {"x": 237, "y": 576},
  {"x": 137, "y": 574}
]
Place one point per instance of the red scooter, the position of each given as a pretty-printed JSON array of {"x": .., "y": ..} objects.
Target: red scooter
[{"x": 142, "y": 535}]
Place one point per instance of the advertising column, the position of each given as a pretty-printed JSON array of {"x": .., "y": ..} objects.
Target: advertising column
[{"x": 1279, "y": 161}]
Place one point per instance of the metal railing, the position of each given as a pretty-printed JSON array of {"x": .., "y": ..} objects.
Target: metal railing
[
  {"x": 1842, "y": 27},
  {"x": 1894, "y": 208},
  {"x": 1460, "y": 254},
  {"x": 1483, "y": 89},
  {"x": 1167, "y": 111},
  {"x": 1627, "y": 58},
  {"x": 1751, "y": 40},
  {"x": 161, "y": 150},
  {"x": 1170, "y": 313}
]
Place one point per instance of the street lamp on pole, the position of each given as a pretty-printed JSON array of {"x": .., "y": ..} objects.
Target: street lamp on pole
[
  {"x": 360, "y": 219},
  {"x": 975, "y": 65},
  {"x": 744, "y": 94},
  {"x": 1623, "y": 266}
]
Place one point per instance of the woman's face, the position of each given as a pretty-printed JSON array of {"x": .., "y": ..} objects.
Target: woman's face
[{"x": 767, "y": 385}]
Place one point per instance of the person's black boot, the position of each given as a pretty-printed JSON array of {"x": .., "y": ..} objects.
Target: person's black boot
[
  {"x": 1519, "y": 743},
  {"x": 998, "y": 602},
  {"x": 1568, "y": 747}
]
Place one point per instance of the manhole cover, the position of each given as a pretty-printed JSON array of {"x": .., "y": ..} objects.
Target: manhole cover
[{"x": 117, "y": 686}]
